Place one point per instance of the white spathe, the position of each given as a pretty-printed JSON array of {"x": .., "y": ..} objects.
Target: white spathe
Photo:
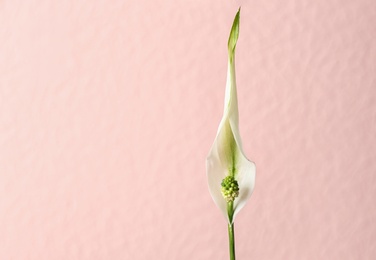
[{"x": 226, "y": 152}]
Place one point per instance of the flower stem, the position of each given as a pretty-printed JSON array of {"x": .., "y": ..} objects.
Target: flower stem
[
  {"x": 231, "y": 240},
  {"x": 231, "y": 237}
]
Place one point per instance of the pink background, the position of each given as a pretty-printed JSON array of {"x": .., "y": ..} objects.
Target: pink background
[{"x": 108, "y": 110}]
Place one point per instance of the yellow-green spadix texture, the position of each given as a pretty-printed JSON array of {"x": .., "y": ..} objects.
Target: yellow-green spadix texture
[{"x": 226, "y": 156}]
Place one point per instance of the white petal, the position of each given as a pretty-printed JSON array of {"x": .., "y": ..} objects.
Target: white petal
[
  {"x": 217, "y": 168},
  {"x": 226, "y": 149},
  {"x": 246, "y": 176},
  {"x": 216, "y": 173}
]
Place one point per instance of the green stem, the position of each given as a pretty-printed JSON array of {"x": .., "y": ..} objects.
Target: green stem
[
  {"x": 231, "y": 237},
  {"x": 231, "y": 241}
]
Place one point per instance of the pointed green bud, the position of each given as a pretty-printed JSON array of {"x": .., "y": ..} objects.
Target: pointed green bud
[
  {"x": 234, "y": 35},
  {"x": 230, "y": 188}
]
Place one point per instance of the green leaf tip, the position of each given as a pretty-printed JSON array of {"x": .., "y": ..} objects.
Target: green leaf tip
[{"x": 234, "y": 35}]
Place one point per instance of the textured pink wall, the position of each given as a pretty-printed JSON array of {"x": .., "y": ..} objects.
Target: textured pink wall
[{"x": 108, "y": 110}]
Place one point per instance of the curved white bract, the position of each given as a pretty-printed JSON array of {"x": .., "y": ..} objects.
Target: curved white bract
[{"x": 226, "y": 155}]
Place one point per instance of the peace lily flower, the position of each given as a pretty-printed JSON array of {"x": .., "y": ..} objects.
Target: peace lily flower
[{"x": 231, "y": 176}]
